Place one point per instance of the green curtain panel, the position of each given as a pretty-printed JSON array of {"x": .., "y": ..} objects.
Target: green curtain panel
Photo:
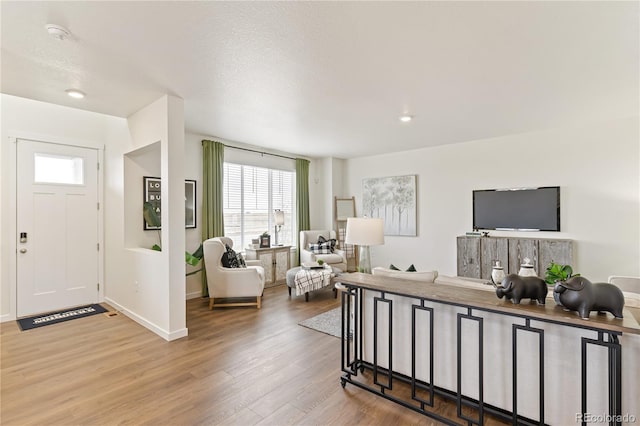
[
  {"x": 212, "y": 196},
  {"x": 302, "y": 202}
]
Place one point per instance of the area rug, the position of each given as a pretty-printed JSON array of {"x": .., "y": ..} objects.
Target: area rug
[
  {"x": 56, "y": 317},
  {"x": 327, "y": 322}
]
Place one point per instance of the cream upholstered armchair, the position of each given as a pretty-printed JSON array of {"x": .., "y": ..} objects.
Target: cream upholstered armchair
[
  {"x": 226, "y": 283},
  {"x": 337, "y": 259}
]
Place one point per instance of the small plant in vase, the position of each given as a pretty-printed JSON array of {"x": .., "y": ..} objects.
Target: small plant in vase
[
  {"x": 320, "y": 262},
  {"x": 556, "y": 272}
]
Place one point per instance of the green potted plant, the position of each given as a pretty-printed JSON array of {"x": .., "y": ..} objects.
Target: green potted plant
[
  {"x": 152, "y": 219},
  {"x": 556, "y": 272}
]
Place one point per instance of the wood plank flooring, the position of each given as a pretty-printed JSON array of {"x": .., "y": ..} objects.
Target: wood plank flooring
[{"x": 238, "y": 366}]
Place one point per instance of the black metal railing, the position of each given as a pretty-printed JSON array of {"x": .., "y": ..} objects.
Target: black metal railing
[{"x": 382, "y": 377}]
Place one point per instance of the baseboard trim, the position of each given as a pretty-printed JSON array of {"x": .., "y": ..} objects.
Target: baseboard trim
[
  {"x": 7, "y": 317},
  {"x": 194, "y": 295},
  {"x": 178, "y": 334},
  {"x": 166, "y": 335}
]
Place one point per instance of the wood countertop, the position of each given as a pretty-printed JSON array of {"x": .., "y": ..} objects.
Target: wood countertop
[{"x": 482, "y": 299}]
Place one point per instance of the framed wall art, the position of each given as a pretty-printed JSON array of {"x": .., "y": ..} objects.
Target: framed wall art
[
  {"x": 394, "y": 200},
  {"x": 152, "y": 195},
  {"x": 190, "y": 203}
]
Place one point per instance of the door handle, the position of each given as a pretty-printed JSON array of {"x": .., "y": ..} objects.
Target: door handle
[{"x": 23, "y": 250}]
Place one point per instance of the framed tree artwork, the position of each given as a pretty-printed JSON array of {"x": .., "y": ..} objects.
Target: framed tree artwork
[{"x": 394, "y": 200}]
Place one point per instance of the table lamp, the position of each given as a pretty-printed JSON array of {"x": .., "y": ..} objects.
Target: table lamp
[
  {"x": 278, "y": 216},
  {"x": 364, "y": 232}
]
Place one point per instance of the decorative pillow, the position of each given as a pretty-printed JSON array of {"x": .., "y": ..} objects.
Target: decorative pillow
[
  {"x": 231, "y": 259},
  {"x": 332, "y": 241},
  {"x": 240, "y": 259},
  {"x": 324, "y": 248},
  {"x": 423, "y": 276},
  {"x": 409, "y": 269}
]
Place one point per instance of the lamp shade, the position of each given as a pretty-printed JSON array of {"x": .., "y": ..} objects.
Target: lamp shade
[
  {"x": 278, "y": 216},
  {"x": 365, "y": 231}
]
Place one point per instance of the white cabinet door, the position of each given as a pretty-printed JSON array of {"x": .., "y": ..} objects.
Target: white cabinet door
[
  {"x": 282, "y": 265},
  {"x": 266, "y": 257}
]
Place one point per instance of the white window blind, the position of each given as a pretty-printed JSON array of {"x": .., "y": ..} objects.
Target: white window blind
[{"x": 251, "y": 194}]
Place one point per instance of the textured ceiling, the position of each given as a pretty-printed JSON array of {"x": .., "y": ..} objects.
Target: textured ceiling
[{"x": 331, "y": 78}]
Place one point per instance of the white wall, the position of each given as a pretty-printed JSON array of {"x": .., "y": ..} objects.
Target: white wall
[
  {"x": 193, "y": 237},
  {"x": 148, "y": 286},
  {"x": 319, "y": 194},
  {"x": 337, "y": 184},
  {"x": 326, "y": 181},
  {"x": 597, "y": 167},
  {"x": 48, "y": 122}
]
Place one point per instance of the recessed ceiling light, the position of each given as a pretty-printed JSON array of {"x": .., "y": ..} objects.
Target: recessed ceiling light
[
  {"x": 406, "y": 118},
  {"x": 58, "y": 32},
  {"x": 75, "y": 93}
]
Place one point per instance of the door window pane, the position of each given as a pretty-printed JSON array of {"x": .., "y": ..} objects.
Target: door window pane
[{"x": 63, "y": 169}]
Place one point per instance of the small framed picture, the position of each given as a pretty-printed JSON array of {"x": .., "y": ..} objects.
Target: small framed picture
[
  {"x": 265, "y": 241},
  {"x": 152, "y": 190},
  {"x": 190, "y": 203},
  {"x": 152, "y": 195}
]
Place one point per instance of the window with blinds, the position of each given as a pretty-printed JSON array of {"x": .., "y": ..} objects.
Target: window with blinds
[{"x": 251, "y": 194}]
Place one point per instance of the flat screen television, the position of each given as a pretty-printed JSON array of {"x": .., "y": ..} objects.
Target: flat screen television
[{"x": 521, "y": 209}]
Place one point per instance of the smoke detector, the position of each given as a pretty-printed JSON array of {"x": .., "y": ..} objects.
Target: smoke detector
[{"x": 57, "y": 31}]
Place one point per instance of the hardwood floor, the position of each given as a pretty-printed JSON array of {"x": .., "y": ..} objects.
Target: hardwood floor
[{"x": 239, "y": 366}]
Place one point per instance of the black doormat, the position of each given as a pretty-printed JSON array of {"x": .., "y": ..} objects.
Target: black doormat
[{"x": 60, "y": 316}]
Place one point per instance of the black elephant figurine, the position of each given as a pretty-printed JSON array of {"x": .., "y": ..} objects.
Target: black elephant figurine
[
  {"x": 515, "y": 288},
  {"x": 579, "y": 294}
]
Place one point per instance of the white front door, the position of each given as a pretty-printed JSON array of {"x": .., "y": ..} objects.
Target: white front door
[{"x": 57, "y": 226}]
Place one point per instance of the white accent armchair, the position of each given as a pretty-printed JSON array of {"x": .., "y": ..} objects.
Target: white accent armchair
[
  {"x": 224, "y": 283},
  {"x": 337, "y": 259}
]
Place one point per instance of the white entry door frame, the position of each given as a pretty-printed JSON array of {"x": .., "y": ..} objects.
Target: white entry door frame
[{"x": 13, "y": 231}]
